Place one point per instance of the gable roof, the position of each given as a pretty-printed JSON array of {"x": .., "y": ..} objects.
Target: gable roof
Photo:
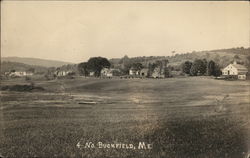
[{"x": 240, "y": 67}]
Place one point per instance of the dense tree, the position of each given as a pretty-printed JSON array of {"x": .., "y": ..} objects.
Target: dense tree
[
  {"x": 167, "y": 71},
  {"x": 125, "y": 64},
  {"x": 137, "y": 66},
  {"x": 165, "y": 62},
  {"x": 248, "y": 62},
  {"x": 31, "y": 70},
  {"x": 96, "y": 64},
  {"x": 83, "y": 68},
  {"x": 151, "y": 68},
  {"x": 186, "y": 67},
  {"x": 50, "y": 74},
  {"x": 217, "y": 70},
  {"x": 211, "y": 68},
  {"x": 198, "y": 68},
  {"x": 124, "y": 60},
  {"x": 236, "y": 56},
  {"x": 204, "y": 70}
]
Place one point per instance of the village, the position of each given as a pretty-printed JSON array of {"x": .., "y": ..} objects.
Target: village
[{"x": 158, "y": 70}]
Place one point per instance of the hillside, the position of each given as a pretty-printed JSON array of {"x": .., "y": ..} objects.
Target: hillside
[
  {"x": 222, "y": 57},
  {"x": 35, "y": 61},
  {"x": 7, "y": 66}
]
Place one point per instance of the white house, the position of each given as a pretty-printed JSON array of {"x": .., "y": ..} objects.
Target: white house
[
  {"x": 133, "y": 71},
  {"x": 20, "y": 73},
  {"x": 62, "y": 73},
  {"x": 106, "y": 72},
  {"x": 235, "y": 70}
]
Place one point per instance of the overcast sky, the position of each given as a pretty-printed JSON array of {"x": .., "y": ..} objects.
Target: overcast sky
[{"x": 75, "y": 31}]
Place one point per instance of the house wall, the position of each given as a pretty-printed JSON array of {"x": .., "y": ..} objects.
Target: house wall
[
  {"x": 109, "y": 75},
  {"x": 91, "y": 73},
  {"x": 242, "y": 77},
  {"x": 133, "y": 72},
  {"x": 230, "y": 70},
  {"x": 18, "y": 73}
]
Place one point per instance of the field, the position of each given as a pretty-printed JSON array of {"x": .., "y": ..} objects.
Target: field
[{"x": 194, "y": 117}]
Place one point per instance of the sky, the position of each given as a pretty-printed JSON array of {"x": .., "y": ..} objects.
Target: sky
[{"x": 74, "y": 31}]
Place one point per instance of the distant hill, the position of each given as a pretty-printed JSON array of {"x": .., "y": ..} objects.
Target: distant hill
[
  {"x": 7, "y": 66},
  {"x": 221, "y": 57},
  {"x": 35, "y": 61}
]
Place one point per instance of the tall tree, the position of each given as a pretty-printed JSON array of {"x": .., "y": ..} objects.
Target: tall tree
[
  {"x": 211, "y": 68},
  {"x": 151, "y": 68},
  {"x": 137, "y": 66},
  {"x": 96, "y": 64},
  {"x": 83, "y": 68},
  {"x": 186, "y": 67},
  {"x": 204, "y": 70},
  {"x": 217, "y": 71},
  {"x": 198, "y": 68}
]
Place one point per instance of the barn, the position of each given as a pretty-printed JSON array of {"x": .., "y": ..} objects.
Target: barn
[{"x": 237, "y": 70}]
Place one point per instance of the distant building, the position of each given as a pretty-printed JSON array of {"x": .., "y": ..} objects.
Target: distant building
[
  {"x": 134, "y": 72},
  {"x": 235, "y": 69},
  {"x": 19, "y": 74},
  {"x": 158, "y": 73},
  {"x": 62, "y": 73},
  {"x": 92, "y": 73},
  {"x": 107, "y": 72},
  {"x": 144, "y": 72}
]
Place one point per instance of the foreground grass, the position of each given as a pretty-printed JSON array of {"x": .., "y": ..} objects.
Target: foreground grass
[
  {"x": 179, "y": 117},
  {"x": 57, "y": 137}
]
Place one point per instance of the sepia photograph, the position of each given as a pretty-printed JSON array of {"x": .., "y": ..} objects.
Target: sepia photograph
[{"x": 125, "y": 79}]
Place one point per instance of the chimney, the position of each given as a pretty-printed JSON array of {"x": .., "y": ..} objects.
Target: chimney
[{"x": 235, "y": 62}]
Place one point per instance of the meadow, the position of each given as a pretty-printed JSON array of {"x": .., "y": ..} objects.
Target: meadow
[{"x": 193, "y": 117}]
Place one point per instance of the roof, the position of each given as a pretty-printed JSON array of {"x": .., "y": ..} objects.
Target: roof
[
  {"x": 239, "y": 67},
  {"x": 242, "y": 73}
]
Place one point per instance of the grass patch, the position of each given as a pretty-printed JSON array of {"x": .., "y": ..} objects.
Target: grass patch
[
  {"x": 178, "y": 116},
  {"x": 22, "y": 88}
]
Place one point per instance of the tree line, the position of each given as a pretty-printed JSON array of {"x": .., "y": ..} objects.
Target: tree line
[
  {"x": 196, "y": 68},
  {"x": 201, "y": 67}
]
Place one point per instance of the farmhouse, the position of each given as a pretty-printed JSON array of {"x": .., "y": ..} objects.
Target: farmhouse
[
  {"x": 236, "y": 70},
  {"x": 62, "y": 73},
  {"x": 133, "y": 71},
  {"x": 106, "y": 72},
  {"x": 20, "y": 74}
]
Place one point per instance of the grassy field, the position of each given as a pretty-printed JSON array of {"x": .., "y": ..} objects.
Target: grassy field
[{"x": 191, "y": 117}]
